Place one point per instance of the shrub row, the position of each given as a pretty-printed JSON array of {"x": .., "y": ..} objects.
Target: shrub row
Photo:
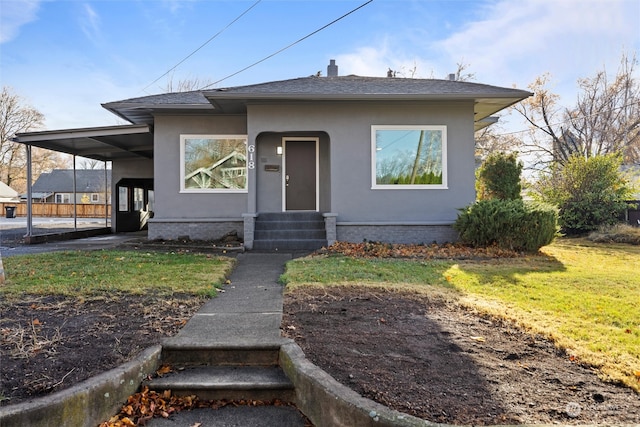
[{"x": 509, "y": 224}]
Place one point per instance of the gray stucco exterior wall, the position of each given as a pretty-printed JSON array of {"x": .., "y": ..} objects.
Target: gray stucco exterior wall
[
  {"x": 345, "y": 149},
  {"x": 348, "y": 126},
  {"x": 199, "y": 216}
]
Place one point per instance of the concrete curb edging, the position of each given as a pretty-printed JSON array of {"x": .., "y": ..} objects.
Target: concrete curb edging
[
  {"x": 88, "y": 403},
  {"x": 326, "y": 402}
]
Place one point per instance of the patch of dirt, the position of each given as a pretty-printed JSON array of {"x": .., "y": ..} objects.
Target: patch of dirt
[
  {"x": 441, "y": 362},
  {"x": 427, "y": 357},
  {"x": 51, "y": 343}
]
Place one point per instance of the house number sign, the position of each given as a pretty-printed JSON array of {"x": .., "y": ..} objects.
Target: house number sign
[{"x": 251, "y": 164}]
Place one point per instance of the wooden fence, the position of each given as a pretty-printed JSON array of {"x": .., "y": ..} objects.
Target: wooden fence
[{"x": 59, "y": 210}]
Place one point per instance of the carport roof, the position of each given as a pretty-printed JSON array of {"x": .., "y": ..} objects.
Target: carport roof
[{"x": 106, "y": 143}]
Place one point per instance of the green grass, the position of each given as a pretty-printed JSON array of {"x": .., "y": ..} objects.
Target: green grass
[
  {"x": 94, "y": 273},
  {"x": 583, "y": 295}
]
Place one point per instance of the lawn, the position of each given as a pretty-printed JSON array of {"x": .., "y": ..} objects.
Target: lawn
[
  {"x": 584, "y": 296},
  {"x": 92, "y": 273}
]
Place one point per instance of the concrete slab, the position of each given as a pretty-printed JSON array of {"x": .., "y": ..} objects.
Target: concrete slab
[
  {"x": 245, "y": 416},
  {"x": 245, "y": 299},
  {"x": 216, "y": 328},
  {"x": 229, "y": 377}
]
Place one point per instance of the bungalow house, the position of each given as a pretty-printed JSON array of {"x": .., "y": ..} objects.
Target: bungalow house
[
  {"x": 8, "y": 194},
  {"x": 58, "y": 186},
  {"x": 296, "y": 163}
]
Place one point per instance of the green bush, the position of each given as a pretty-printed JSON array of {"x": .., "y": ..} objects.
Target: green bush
[
  {"x": 509, "y": 224},
  {"x": 499, "y": 177},
  {"x": 589, "y": 192}
]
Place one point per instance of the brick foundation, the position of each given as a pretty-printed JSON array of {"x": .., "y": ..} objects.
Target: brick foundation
[
  {"x": 396, "y": 233},
  {"x": 205, "y": 229}
]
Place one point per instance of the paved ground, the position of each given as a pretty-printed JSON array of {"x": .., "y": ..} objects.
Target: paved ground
[
  {"x": 249, "y": 312},
  {"x": 12, "y": 231}
]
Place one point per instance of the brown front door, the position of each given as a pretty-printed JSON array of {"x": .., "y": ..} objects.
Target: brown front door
[{"x": 300, "y": 174}]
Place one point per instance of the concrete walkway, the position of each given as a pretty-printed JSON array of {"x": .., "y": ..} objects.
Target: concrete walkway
[{"x": 248, "y": 312}]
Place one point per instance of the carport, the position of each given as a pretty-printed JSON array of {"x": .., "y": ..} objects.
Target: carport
[{"x": 106, "y": 144}]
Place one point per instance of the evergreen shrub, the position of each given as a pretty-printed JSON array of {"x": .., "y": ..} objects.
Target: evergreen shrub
[{"x": 509, "y": 224}]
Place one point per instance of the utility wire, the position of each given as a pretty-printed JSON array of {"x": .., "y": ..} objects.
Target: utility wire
[
  {"x": 286, "y": 47},
  {"x": 204, "y": 44}
]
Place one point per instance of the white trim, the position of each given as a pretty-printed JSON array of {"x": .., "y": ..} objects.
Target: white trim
[
  {"x": 375, "y": 186},
  {"x": 183, "y": 138},
  {"x": 284, "y": 168}
]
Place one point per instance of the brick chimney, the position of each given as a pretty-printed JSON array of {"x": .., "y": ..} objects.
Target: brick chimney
[{"x": 332, "y": 69}]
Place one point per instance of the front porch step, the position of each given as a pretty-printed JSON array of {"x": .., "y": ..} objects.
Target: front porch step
[
  {"x": 297, "y": 234},
  {"x": 256, "y": 355},
  {"x": 229, "y": 383},
  {"x": 297, "y": 231},
  {"x": 289, "y": 245}
]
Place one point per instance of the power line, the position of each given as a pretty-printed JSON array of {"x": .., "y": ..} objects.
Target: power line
[
  {"x": 204, "y": 44},
  {"x": 287, "y": 47}
]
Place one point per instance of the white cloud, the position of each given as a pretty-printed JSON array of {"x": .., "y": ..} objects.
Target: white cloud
[
  {"x": 511, "y": 43},
  {"x": 375, "y": 61},
  {"x": 14, "y": 14},
  {"x": 90, "y": 23},
  {"x": 570, "y": 38}
]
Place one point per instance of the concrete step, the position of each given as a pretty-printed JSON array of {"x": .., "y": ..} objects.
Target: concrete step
[
  {"x": 289, "y": 244},
  {"x": 290, "y": 216},
  {"x": 289, "y": 231},
  {"x": 230, "y": 383},
  {"x": 179, "y": 355},
  {"x": 298, "y": 234},
  {"x": 289, "y": 225}
]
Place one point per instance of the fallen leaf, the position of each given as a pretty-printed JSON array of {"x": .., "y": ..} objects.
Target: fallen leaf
[
  {"x": 637, "y": 373},
  {"x": 478, "y": 339},
  {"x": 164, "y": 369},
  {"x": 196, "y": 425},
  {"x": 36, "y": 322}
]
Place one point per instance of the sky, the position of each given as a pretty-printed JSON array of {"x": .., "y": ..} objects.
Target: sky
[{"x": 66, "y": 57}]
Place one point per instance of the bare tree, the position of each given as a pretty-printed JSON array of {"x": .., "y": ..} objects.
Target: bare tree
[
  {"x": 492, "y": 139},
  {"x": 462, "y": 74},
  {"x": 186, "y": 85},
  {"x": 17, "y": 117},
  {"x": 605, "y": 119},
  {"x": 85, "y": 163}
]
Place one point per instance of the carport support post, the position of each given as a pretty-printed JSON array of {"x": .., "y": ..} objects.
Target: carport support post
[
  {"x": 29, "y": 192},
  {"x": 106, "y": 197},
  {"x": 75, "y": 197}
]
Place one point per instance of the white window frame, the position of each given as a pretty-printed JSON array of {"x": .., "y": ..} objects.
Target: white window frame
[
  {"x": 183, "y": 140},
  {"x": 374, "y": 150},
  {"x": 62, "y": 197}
]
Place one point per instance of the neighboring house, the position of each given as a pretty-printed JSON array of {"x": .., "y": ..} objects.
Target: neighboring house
[
  {"x": 388, "y": 159},
  {"x": 57, "y": 186},
  {"x": 8, "y": 194}
]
